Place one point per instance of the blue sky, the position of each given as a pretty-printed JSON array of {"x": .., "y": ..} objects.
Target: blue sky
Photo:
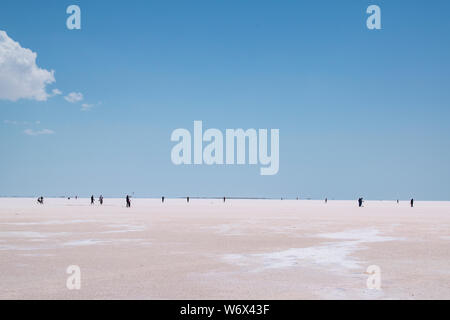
[{"x": 361, "y": 112}]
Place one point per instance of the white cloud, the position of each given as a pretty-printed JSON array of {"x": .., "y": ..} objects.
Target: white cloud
[
  {"x": 74, "y": 97},
  {"x": 20, "y": 77},
  {"x": 31, "y": 132}
]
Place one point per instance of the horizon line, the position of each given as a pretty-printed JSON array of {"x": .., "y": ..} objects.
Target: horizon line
[{"x": 217, "y": 198}]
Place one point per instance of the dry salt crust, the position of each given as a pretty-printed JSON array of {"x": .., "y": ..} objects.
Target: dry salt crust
[
  {"x": 207, "y": 249},
  {"x": 333, "y": 254}
]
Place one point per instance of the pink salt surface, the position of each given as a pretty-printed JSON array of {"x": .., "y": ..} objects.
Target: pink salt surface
[{"x": 207, "y": 249}]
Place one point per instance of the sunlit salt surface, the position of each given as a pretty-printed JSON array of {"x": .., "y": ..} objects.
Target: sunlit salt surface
[
  {"x": 332, "y": 254},
  {"x": 86, "y": 242},
  {"x": 55, "y": 240},
  {"x": 123, "y": 228},
  {"x": 360, "y": 235},
  {"x": 30, "y": 234},
  {"x": 36, "y": 255},
  {"x": 51, "y": 222}
]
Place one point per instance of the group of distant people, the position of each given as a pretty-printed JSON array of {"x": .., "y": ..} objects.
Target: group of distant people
[
  {"x": 100, "y": 200},
  {"x": 40, "y": 200}
]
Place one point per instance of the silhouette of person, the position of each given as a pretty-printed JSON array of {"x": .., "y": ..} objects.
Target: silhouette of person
[
  {"x": 128, "y": 201},
  {"x": 187, "y": 199},
  {"x": 100, "y": 200},
  {"x": 397, "y": 201},
  {"x": 162, "y": 199},
  {"x": 326, "y": 200},
  {"x": 223, "y": 199},
  {"x": 412, "y": 203},
  {"x": 360, "y": 202},
  {"x": 92, "y": 200}
]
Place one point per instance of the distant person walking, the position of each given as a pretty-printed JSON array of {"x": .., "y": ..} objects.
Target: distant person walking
[
  {"x": 412, "y": 203},
  {"x": 92, "y": 200},
  {"x": 326, "y": 200},
  {"x": 224, "y": 199},
  {"x": 360, "y": 202},
  {"x": 40, "y": 200},
  {"x": 128, "y": 201},
  {"x": 187, "y": 199},
  {"x": 162, "y": 199},
  {"x": 100, "y": 199}
]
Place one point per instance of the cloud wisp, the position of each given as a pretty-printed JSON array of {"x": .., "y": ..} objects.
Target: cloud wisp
[
  {"x": 89, "y": 106},
  {"x": 56, "y": 92},
  {"x": 17, "y": 122},
  {"x": 74, "y": 97},
  {"x": 31, "y": 132},
  {"x": 86, "y": 107}
]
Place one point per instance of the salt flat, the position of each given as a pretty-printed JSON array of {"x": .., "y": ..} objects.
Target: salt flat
[{"x": 207, "y": 249}]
